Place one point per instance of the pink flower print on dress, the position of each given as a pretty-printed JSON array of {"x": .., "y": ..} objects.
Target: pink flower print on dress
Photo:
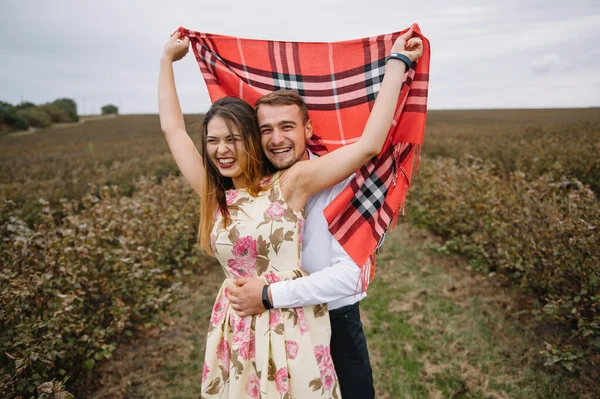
[
  {"x": 223, "y": 352},
  {"x": 244, "y": 254},
  {"x": 326, "y": 368},
  {"x": 205, "y": 372},
  {"x": 301, "y": 320},
  {"x": 274, "y": 318},
  {"x": 219, "y": 310},
  {"x": 230, "y": 196},
  {"x": 291, "y": 347},
  {"x": 265, "y": 181},
  {"x": 251, "y": 347},
  {"x": 300, "y": 230},
  {"x": 271, "y": 277},
  {"x": 241, "y": 327},
  {"x": 241, "y": 337},
  {"x": 233, "y": 318},
  {"x": 245, "y": 352},
  {"x": 253, "y": 386},
  {"x": 281, "y": 380},
  {"x": 274, "y": 212}
]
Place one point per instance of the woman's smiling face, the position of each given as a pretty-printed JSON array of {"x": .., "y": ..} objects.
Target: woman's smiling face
[{"x": 225, "y": 147}]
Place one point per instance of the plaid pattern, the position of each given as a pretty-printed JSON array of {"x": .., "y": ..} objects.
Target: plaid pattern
[{"x": 339, "y": 82}]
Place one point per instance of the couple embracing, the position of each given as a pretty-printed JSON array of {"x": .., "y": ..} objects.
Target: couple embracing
[{"x": 286, "y": 321}]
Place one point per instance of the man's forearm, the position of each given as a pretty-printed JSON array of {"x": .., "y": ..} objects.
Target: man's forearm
[{"x": 333, "y": 283}]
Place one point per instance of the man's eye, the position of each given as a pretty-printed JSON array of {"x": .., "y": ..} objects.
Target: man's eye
[
  {"x": 287, "y": 127},
  {"x": 265, "y": 131}
]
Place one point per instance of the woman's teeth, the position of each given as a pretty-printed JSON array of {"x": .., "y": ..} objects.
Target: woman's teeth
[{"x": 226, "y": 162}]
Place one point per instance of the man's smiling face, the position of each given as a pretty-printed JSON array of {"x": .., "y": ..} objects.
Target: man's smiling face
[{"x": 283, "y": 134}]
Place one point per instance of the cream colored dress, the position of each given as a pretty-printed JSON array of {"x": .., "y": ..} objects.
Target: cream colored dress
[{"x": 281, "y": 353}]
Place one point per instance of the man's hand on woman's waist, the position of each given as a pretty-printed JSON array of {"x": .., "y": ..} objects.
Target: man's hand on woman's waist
[{"x": 245, "y": 296}]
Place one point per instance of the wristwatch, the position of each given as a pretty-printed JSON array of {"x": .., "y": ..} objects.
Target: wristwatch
[{"x": 265, "y": 297}]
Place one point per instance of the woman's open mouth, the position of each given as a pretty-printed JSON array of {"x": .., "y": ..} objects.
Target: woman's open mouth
[{"x": 226, "y": 163}]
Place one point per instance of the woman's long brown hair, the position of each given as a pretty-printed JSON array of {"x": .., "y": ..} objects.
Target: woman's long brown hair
[{"x": 240, "y": 114}]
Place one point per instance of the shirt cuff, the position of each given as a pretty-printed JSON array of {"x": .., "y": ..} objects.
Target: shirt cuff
[{"x": 279, "y": 295}]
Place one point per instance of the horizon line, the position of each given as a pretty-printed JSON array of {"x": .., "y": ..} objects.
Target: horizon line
[{"x": 431, "y": 109}]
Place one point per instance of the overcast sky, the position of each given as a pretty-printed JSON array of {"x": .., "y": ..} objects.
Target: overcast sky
[{"x": 484, "y": 54}]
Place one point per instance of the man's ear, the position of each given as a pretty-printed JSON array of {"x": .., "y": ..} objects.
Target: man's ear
[{"x": 308, "y": 129}]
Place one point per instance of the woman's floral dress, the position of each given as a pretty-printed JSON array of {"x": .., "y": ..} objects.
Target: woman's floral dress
[{"x": 281, "y": 353}]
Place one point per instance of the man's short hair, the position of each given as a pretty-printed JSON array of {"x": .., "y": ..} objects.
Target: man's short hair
[{"x": 284, "y": 97}]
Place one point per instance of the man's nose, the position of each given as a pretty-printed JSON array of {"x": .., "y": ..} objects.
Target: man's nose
[{"x": 277, "y": 137}]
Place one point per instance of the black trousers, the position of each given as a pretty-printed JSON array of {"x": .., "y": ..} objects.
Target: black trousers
[{"x": 350, "y": 354}]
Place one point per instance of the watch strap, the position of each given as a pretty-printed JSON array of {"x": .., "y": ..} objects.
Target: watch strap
[
  {"x": 265, "y": 297},
  {"x": 401, "y": 57}
]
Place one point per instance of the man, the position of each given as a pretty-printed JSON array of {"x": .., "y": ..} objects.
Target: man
[{"x": 334, "y": 279}]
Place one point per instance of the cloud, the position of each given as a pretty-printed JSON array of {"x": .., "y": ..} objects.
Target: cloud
[
  {"x": 483, "y": 51},
  {"x": 547, "y": 63}
]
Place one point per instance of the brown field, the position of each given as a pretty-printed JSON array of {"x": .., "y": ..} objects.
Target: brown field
[
  {"x": 98, "y": 213},
  {"x": 69, "y": 162}
]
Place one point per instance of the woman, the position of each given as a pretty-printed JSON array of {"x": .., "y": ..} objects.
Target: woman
[{"x": 251, "y": 222}]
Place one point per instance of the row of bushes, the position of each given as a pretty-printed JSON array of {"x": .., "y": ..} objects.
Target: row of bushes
[
  {"x": 108, "y": 265},
  {"x": 542, "y": 234},
  {"x": 535, "y": 142},
  {"x": 62, "y": 164},
  {"x": 26, "y": 114}
]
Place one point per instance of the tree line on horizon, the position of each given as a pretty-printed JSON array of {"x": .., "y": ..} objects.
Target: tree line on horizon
[{"x": 26, "y": 114}]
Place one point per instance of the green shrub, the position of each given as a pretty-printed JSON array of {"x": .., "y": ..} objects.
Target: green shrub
[
  {"x": 104, "y": 268},
  {"x": 56, "y": 113},
  {"x": 6, "y": 108},
  {"x": 539, "y": 233},
  {"x": 8, "y": 116},
  {"x": 16, "y": 122},
  {"x": 25, "y": 105},
  {"x": 110, "y": 109},
  {"x": 35, "y": 117},
  {"x": 69, "y": 106}
]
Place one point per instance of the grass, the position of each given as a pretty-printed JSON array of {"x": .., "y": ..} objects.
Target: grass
[{"x": 436, "y": 330}]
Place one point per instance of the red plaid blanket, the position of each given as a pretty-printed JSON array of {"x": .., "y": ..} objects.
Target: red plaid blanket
[{"x": 339, "y": 82}]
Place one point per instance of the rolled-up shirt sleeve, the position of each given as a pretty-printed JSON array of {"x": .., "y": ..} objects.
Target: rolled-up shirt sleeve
[{"x": 334, "y": 283}]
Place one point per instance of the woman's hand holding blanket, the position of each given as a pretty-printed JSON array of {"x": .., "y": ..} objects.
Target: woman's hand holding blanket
[
  {"x": 176, "y": 48},
  {"x": 410, "y": 46}
]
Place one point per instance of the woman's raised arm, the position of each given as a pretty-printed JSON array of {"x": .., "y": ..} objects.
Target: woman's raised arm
[
  {"x": 309, "y": 177},
  {"x": 182, "y": 147}
]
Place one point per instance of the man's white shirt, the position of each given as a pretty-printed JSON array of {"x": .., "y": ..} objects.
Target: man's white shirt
[{"x": 334, "y": 277}]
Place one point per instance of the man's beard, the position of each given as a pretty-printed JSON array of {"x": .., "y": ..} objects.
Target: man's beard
[{"x": 287, "y": 163}]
